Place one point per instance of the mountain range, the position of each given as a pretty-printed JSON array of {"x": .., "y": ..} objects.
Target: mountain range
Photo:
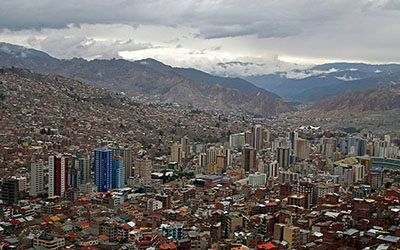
[
  {"x": 327, "y": 80},
  {"x": 265, "y": 95},
  {"x": 152, "y": 80}
]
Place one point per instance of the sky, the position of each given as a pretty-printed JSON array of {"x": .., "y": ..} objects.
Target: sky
[{"x": 231, "y": 37}]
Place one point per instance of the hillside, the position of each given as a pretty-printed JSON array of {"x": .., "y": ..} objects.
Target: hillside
[
  {"x": 378, "y": 99},
  {"x": 153, "y": 81},
  {"x": 30, "y": 103}
]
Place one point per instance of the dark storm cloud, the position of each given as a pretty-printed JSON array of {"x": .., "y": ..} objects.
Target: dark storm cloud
[
  {"x": 265, "y": 35},
  {"x": 213, "y": 18}
]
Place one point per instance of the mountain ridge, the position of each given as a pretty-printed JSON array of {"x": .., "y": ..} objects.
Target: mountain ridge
[{"x": 153, "y": 81}]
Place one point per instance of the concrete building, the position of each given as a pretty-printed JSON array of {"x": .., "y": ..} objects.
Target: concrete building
[
  {"x": 257, "y": 179},
  {"x": 143, "y": 168},
  {"x": 48, "y": 242},
  {"x": 249, "y": 158},
  {"x": 37, "y": 180},
  {"x": 283, "y": 157},
  {"x": 9, "y": 191},
  {"x": 236, "y": 141}
]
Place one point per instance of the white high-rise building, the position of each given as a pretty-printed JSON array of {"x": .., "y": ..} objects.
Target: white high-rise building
[
  {"x": 37, "y": 184},
  {"x": 273, "y": 169},
  {"x": 257, "y": 179}
]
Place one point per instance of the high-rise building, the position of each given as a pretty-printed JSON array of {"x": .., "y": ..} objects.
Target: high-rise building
[
  {"x": 293, "y": 136},
  {"x": 283, "y": 157},
  {"x": 327, "y": 146},
  {"x": 143, "y": 169},
  {"x": 248, "y": 138},
  {"x": 126, "y": 153},
  {"x": 176, "y": 153},
  {"x": 117, "y": 173},
  {"x": 58, "y": 175},
  {"x": 266, "y": 137},
  {"x": 236, "y": 141},
  {"x": 257, "y": 179},
  {"x": 185, "y": 147},
  {"x": 102, "y": 169},
  {"x": 9, "y": 191},
  {"x": 375, "y": 177},
  {"x": 37, "y": 182},
  {"x": 288, "y": 177},
  {"x": 221, "y": 163},
  {"x": 302, "y": 149},
  {"x": 249, "y": 158},
  {"x": 203, "y": 160},
  {"x": 257, "y": 131},
  {"x": 80, "y": 171},
  {"x": 273, "y": 169}
]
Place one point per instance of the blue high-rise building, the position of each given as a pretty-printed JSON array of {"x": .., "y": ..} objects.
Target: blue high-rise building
[
  {"x": 118, "y": 173},
  {"x": 103, "y": 169}
]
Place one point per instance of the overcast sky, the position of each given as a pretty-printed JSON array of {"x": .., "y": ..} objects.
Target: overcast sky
[{"x": 231, "y": 36}]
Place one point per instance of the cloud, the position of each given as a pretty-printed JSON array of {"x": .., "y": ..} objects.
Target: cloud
[
  {"x": 222, "y": 36},
  {"x": 62, "y": 46},
  {"x": 213, "y": 18}
]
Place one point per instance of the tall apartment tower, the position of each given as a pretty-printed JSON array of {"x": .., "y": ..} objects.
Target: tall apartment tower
[
  {"x": 257, "y": 131},
  {"x": 143, "y": 169},
  {"x": 249, "y": 158},
  {"x": 283, "y": 157},
  {"x": 249, "y": 138},
  {"x": 37, "y": 180},
  {"x": 293, "y": 136},
  {"x": 176, "y": 153},
  {"x": 185, "y": 144},
  {"x": 80, "y": 171},
  {"x": 102, "y": 169},
  {"x": 118, "y": 173},
  {"x": 58, "y": 175},
  {"x": 302, "y": 149},
  {"x": 126, "y": 153}
]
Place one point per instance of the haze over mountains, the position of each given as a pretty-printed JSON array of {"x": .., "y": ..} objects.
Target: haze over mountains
[
  {"x": 153, "y": 81},
  {"x": 328, "y": 80}
]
